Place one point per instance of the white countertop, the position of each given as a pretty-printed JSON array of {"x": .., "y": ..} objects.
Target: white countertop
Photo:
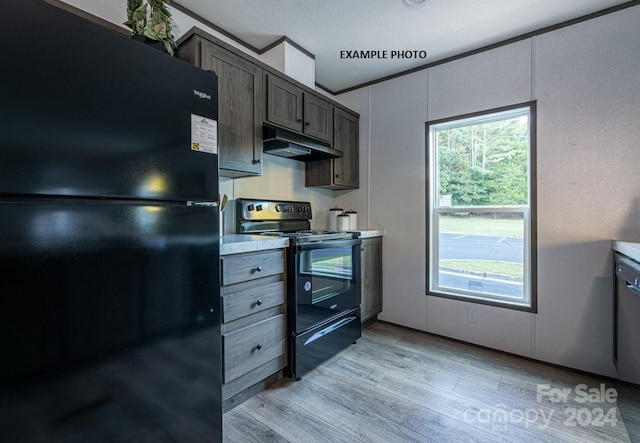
[
  {"x": 238, "y": 243},
  {"x": 368, "y": 233},
  {"x": 630, "y": 249}
]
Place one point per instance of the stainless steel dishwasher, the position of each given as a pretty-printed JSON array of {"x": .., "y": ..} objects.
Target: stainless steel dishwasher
[{"x": 627, "y": 319}]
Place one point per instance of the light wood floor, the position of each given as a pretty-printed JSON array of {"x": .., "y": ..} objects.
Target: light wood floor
[{"x": 401, "y": 385}]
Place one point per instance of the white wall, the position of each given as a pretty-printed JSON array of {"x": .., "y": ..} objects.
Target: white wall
[
  {"x": 299, "y": 65},
  {"x": 296, "y": 64},
  {"x": 586, "y": 83},
  {"x": 396, "y": 113},
  {"x": 282, "y": 179}
]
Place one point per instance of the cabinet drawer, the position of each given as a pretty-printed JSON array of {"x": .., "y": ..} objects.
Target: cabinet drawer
[
  {"x": 244, "y": 267},
  {"x": 248, "y": 348},
  {"x": 239, "y": 303}
]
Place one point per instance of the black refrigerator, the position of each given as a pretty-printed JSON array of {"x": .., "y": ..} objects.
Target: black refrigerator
[{"x": 109, "y": 245}]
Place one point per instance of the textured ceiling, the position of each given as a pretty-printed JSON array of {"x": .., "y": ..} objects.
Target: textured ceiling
[{"x": 441, "y": 28}]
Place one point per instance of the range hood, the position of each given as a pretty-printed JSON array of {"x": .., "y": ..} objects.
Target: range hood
[{"x": 288, "y": 144}]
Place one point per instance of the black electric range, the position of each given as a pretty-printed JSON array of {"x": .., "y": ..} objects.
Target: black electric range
[{"x": 323, "y": 280}]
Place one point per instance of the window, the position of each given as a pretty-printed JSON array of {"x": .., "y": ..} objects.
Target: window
[{"x": 481, "y": 207}]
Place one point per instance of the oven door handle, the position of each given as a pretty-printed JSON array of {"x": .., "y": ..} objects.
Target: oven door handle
[
  {"x": 329, "y": 329},
  {"x": 329, "y": 244}
]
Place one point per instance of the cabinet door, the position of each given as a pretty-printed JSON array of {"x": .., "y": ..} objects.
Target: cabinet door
[
  {"x": 240, "y": 115},
  {"x": 371, "y": 267},
  {"x": 346, "y": 169},
  {"x": 339, "y": 173},
  {"x": 318, "y": 118},
  {"x": 284, "y": 103}
]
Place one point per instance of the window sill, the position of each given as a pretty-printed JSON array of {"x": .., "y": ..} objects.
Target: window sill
[{"x": 484, "y": 301}]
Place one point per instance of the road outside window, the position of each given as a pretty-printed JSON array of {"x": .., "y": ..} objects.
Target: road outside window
[{"x": 481, "y": 206}]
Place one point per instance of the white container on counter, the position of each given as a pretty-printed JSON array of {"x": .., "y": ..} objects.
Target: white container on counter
[
  {"x": 343, "y": 222},
  {"x": 353, "y": 219},
  {"x": 333, "y": 218}
]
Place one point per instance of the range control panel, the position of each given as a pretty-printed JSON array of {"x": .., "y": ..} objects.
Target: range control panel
[{"x": 248, "y": 209}]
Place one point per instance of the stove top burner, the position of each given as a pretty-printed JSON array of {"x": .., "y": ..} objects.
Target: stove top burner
[{"x": 282, "y": 219}]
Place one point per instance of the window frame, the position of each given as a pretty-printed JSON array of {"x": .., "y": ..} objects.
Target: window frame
[{"x": 528, "y": 304}]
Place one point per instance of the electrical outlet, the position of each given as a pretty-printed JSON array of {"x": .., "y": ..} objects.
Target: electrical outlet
[{"x": 472, "y": 315}]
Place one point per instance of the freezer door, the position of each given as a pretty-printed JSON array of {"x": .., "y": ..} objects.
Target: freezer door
[
  {"x": 88, "y": 112},
  {"x": 109, "y": 321}
]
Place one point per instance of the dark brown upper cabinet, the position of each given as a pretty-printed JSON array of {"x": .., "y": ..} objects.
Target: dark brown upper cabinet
[
  {"x": 290, "y": 107},
  {"x": 240, "y": 97},
  {"x": 284, "y": 103},
  {"x": 338, "y": 173},
  {"x": 251, "y": 92},
  {"x": 318, "y": 118}
]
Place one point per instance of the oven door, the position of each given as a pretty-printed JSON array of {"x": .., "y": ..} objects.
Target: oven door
[{"x": 327, "y": 280}]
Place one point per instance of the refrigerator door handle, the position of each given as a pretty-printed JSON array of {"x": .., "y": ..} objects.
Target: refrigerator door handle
[{"x": 200, "y": 203}]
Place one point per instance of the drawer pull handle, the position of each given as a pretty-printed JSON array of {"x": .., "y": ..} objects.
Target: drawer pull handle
[
  {"x": 258, "y": 268},
  {"x": 258, "y": 346},
  {"x": 259, "y": 302}
]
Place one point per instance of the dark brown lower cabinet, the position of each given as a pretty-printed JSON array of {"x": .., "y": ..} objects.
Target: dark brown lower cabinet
[
  {"x": 371, "y": 264},
  {"x": 253, "y": 297}
]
